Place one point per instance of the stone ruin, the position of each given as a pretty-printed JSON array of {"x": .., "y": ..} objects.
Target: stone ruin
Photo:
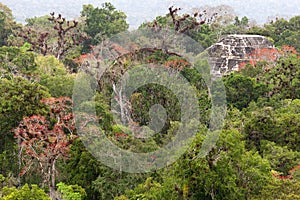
[{"x": 234, "y": 51}]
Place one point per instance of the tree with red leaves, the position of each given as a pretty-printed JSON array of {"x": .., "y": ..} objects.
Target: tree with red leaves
[
  {"x": 270, "y": 55},
  {"x": 43, "y": 140}
]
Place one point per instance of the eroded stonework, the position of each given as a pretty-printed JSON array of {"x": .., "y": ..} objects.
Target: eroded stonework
[{"x": 229, "y": 53}]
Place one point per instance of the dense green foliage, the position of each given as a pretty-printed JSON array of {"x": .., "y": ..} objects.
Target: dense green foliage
[
  {"x": 7, "y": 24},
  {"x": 257, "y": 155},
  {"x": 24, "y": 193},
  {"x": 102, "y": 23},
  {"x": 71, "y": 192}
]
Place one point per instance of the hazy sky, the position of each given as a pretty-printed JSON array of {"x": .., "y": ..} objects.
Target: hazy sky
[{"x": 139, "y": 11}]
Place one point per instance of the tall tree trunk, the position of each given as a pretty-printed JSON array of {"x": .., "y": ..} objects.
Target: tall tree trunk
[
  {"x": 52, "y": 179},
  {"x": 20, "y": 149}
]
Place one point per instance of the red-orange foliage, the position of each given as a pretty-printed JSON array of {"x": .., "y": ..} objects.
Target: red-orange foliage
[
  {"x": 121, "y": 135},
  {"x": 118, "y": 49},
  {"x": 267, "y": 54},
  {"x": 243, "y": 64},
  {"x": 294, "y": 169},
  {"x": 43, "y": 140},
  {"x": 82, "y": 58},
  {"x": 114, "y": 49},
  {"x": 287, "y": 50},
  {"x": 283, "y": 177},
  {"x": 260, "y": 54},
  {"x": 290, "y": 176},
  {"x": 178, "y": 64}
]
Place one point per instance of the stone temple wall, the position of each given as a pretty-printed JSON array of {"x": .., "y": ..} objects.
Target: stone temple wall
[{"x": 229, "y": 53}]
